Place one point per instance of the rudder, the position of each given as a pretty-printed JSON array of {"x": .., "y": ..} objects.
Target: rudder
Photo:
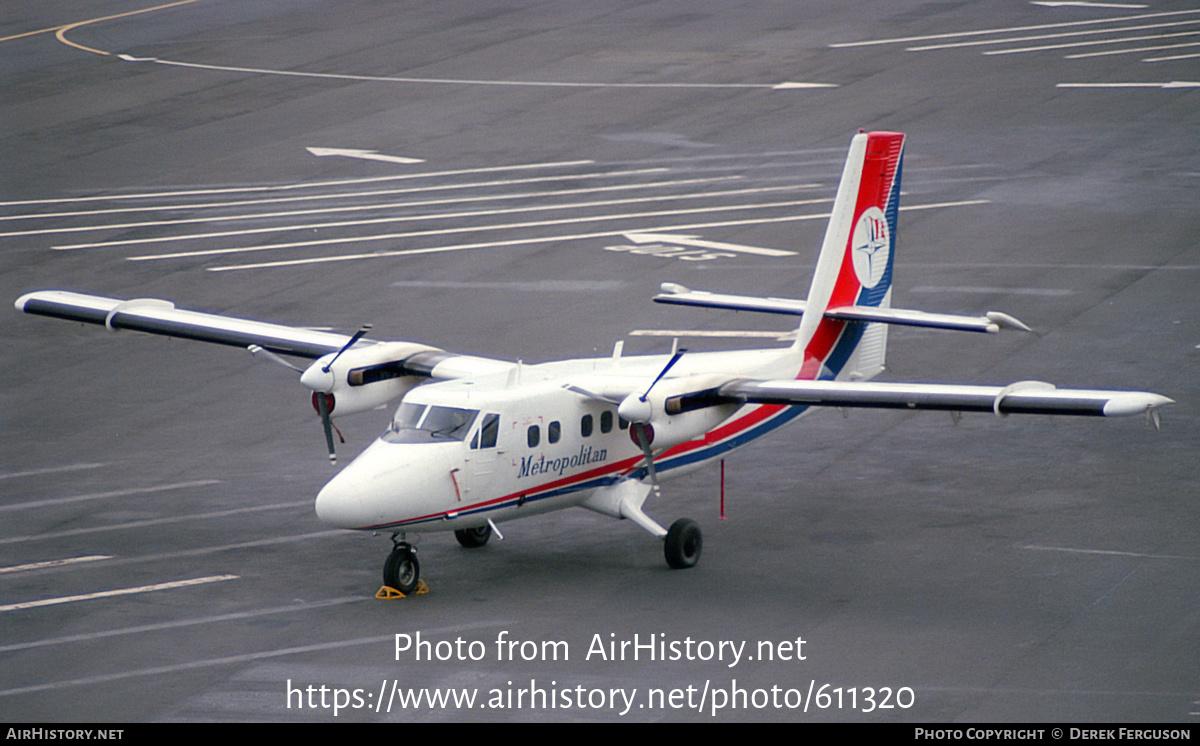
[{"x": 857, "y": 256}]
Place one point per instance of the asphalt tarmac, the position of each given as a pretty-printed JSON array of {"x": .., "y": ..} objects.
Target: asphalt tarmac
[{"x": 475, "y": 168}]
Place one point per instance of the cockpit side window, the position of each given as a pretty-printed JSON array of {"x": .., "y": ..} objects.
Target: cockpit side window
[{"x": 486, "y": 436}]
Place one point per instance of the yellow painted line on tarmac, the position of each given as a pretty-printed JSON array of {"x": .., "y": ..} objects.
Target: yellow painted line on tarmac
[{"x": 61, "y": 31}]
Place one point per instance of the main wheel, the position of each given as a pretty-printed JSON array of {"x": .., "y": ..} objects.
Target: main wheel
[
  {"x": 473, "y": 537},
  {"x": 683, "y": 544},
  {"x": 401, "y": 570}
]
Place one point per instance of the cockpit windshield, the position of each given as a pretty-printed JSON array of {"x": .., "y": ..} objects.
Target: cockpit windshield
[{"x": 421, "y": 423}]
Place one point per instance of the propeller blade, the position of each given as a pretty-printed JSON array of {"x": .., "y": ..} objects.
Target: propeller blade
[
  {"x": 255, "y": 350},
  {"x": 643, "y": 438},
  {"x": 326, "y": 422},
  {"x": 674, "y": 359},
  {"x": 357, "y": 336},
  {"x": 637, "y": 409}
]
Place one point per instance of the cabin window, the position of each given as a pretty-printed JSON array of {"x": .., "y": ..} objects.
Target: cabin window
[
  {"x": 606, "y": 422},
  {"x": 554, "y": 432},
  {"x": 534, "y": 436},
  {"x": 585, "y": 426},
  {"x": 623, "y": 423}
]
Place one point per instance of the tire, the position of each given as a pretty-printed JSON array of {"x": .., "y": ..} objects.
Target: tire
[
  {"x": 683, "y": 544},
  {"x": 402, "y": 571},
  {"x": 472, "y": 538}
]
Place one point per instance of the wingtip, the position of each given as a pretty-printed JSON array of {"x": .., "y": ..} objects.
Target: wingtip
[
  {"x": 1004, "y": 321},
  {"x": 1135, "y": 402}
]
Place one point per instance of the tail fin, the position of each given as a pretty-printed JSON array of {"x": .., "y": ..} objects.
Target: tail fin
[{"x": 855, "y": 264}]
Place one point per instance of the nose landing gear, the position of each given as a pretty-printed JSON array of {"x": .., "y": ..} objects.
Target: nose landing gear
[{"x": 402, "y": 571}]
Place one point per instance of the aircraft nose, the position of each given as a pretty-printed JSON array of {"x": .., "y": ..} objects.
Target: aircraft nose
[
  {"x": 389, "y": 483},
  {"x": 340, "y": 503}
]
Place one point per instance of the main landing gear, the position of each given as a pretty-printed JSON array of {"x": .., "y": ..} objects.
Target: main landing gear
[
  {"x": 473, "y": 538},
  {"x": 682, "y": 544}
]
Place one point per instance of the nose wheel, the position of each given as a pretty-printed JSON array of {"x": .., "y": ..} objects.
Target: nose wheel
[{"x": 402, "y": 571}]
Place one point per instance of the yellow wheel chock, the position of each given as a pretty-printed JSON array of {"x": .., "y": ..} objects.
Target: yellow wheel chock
[{"x": 386, "y": 592}]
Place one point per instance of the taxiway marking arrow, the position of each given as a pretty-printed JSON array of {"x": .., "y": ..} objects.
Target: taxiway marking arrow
[
  {"x": 368, "y": 155},
  {"x": 678, "y": 239}
]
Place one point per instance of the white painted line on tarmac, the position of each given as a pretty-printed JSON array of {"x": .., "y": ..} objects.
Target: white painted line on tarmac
[
  {"x": 479, "y": 245},
  {"x": 149, "y": 522},
  {"x": 1169, "y": 58},
  {"x": 582, "y": 236},
  {"x": 1138, "y": 50},
  {"x": 54, "y": 563},
  {"x": 1108, "y": 552},
  {"x": 468, "y": 229},
  {"x": 1170, "y": 84},
  {"x": 1095, "y": 43},
  {"x": 785, "y": 85},
  {"x": 293, "y": 187},
  {"x": 216, "y": 619},
  {"x": 713, "y": 334},
  {"x": 1063, "y": 35},
  {"x": 50, "y": 470},
  {"x": 1008, "y": 29},
  {"x": 331, "y": 533},
  {"x": 431, "y": 216},
  {"x": 1046, "y": 265},
  {"x": 679, "y": 239},
  {"x": 533, "y": 286},
  {"x": 1086, "y": 4},
  {"x": 1042, "y": 292},
  {"x": 335, "y": 195},
  {"x": 373, "y": 206},
  {"x": 117, "y": 592},
  {"x": 246, "y": 658},
  {"x": 368, "y": 155},
  {"x": 105, "y": 495}
]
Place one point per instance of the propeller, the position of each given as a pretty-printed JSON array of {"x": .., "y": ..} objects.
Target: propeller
[
  {"x": 638, "y": 412},
  {"x": 322, "y": 386},
  {"x": 321, "y": 382}
]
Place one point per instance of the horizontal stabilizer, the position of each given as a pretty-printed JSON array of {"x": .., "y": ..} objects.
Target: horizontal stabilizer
[{"x": 991, "y": 322}]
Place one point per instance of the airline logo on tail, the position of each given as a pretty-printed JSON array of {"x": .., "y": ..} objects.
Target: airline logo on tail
[{"x": 872, "y": 245}]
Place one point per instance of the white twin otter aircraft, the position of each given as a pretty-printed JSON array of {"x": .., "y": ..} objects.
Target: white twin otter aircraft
[{"x": 478, "y": 441}]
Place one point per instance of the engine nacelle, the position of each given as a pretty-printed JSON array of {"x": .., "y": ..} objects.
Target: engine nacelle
[
  {"x": 670, "y": 425},
  {"x": 364, "y": 378}
]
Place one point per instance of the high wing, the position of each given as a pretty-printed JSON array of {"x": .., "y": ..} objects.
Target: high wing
[
  {"x": 1025, "y": 397},
  {"x": 348, "y": 374},
  {"x": 991, "y": 322},
  {"x": 162, "y": 317},
  {"x": 156, "y": 316}
]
